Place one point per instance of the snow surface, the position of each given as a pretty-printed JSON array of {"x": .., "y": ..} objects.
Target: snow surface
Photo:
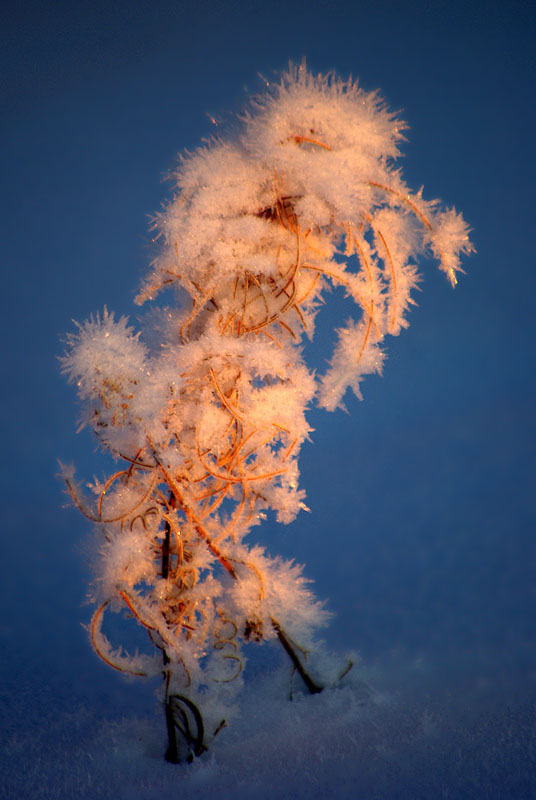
[{"x": 351, "y": 741}]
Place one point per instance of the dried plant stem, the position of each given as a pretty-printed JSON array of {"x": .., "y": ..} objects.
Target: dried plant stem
[
  {"x": 172, "y": 752},
  {"x": 297, "y": 664}
]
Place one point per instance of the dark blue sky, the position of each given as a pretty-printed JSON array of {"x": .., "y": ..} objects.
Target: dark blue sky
[{"x": 422, "y": 532}]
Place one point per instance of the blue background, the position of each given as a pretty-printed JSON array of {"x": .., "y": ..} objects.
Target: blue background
[{"x": 422, "y": 531}]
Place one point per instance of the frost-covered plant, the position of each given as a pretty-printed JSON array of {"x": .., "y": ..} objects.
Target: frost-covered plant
[{"x": 206, "y": 408}]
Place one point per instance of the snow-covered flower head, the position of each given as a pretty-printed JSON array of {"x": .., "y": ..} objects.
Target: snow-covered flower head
[
  {"x": 321, "y": 111},
  {"x": 106, "y": 360}
]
